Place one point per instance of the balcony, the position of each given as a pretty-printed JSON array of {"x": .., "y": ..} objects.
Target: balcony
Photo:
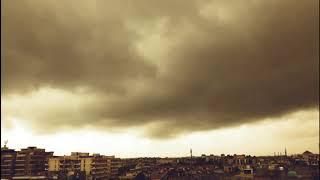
[
  {"x": 7, "y": 156},
  {"x": 21, "y": 155},
  {"x": 19, "y": 169},
  {"x": 5, "y": 165},
  {"x": 20, "y": 164},
  {"x": 99, "y": 167},
  {"x": 20, "y": 160}
]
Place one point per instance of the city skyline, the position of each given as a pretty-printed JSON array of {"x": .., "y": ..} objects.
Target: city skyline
[
  {"x": 158, "y": 78},
  {"x": 33, "y": 162},
  {"x": 190, "y": 155}
]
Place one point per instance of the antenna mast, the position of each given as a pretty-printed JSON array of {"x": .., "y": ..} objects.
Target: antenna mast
[{"x": 5, "y": 143}]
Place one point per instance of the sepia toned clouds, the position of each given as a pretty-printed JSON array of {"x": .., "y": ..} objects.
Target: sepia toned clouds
[{"x": 174, "y": 67}]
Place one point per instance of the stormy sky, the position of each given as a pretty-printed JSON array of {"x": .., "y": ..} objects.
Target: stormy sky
[{"x": 171, "y": 67}]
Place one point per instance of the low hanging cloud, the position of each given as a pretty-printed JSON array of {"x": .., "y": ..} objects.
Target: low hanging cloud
[{"x": 173, "y": 67}]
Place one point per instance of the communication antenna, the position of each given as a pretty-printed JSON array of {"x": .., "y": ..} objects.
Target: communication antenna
[
  {"x": 5, "y": 143},
  {"x": 285, "y": 151}
]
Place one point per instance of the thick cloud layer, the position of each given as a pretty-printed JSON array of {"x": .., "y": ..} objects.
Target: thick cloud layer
[{"x": 171, "y": 66}]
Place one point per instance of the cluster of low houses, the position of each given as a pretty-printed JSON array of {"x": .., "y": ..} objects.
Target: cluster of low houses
[{"x": 232, "y": 166}]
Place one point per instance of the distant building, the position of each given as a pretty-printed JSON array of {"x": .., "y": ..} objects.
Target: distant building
[
  {"x": 166, "y": 161},
  {"x": 54, "y": 164},
  {"x": 79, "y": 154},
  {"x": 92, "y": 167},
  {"x": 100, "y": 167},
  {"x": 228, "y": 168},
  {"x": 31, "y": 162},
  {"x": 8, "y": 158},
  {"x": 240, "y": 160},
  {"x": 115, "y": 165},
  {"x": 310, "y": 158}
]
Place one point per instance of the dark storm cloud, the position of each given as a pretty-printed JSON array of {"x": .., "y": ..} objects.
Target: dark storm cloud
[
  {"x": 228, "y": 63},
  {"x": 48, "y": 44}
]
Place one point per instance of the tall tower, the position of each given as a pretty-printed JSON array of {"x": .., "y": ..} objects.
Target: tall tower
[
  {"x": 285, "y": 151},
  {"x": 191, "y": 153}
]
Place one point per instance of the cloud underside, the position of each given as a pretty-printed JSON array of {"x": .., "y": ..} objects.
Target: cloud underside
[{"x": 173, "y": 66}]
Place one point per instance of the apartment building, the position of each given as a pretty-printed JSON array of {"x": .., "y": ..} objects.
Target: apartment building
[
  {"x": 65, "y": 165},
  {"x": 95, "y": 166},
  {"x": 8, "y": 158},
  {"x": 99, "y": 167},
  {"x": 32, "y": 161},
  {"x": 54, "y": 164},
  {"x": 115, "y": 165}
]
